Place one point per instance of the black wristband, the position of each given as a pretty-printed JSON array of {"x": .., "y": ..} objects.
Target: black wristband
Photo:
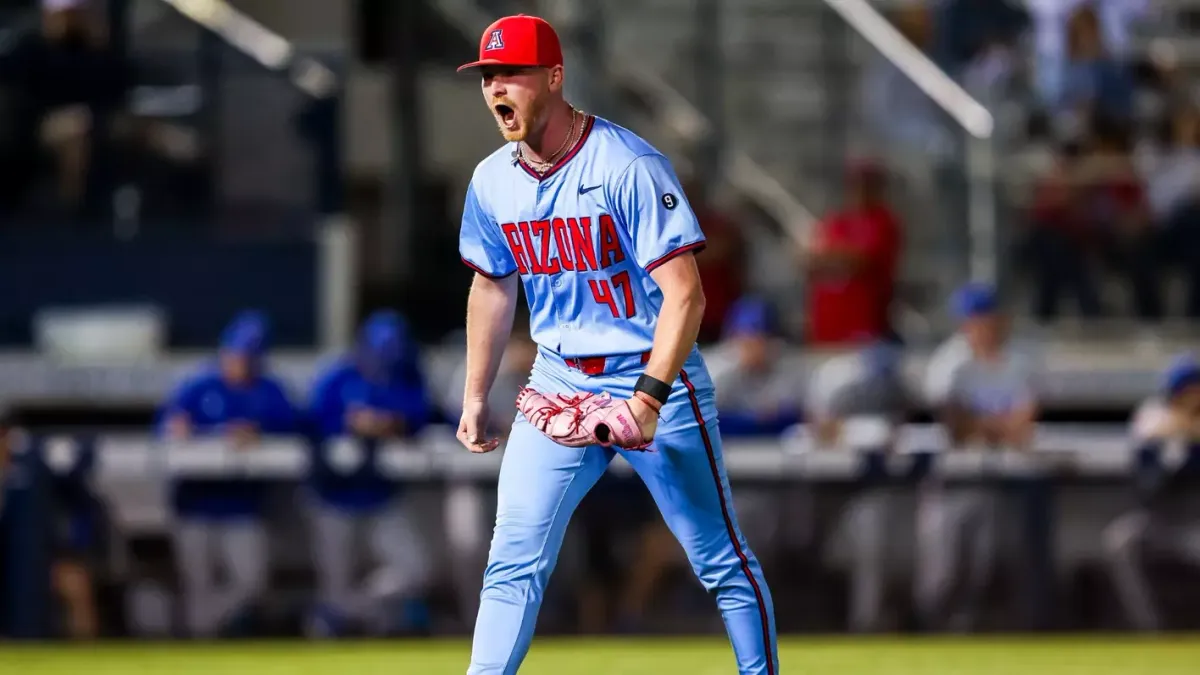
[{"x": 654, "y": 388}]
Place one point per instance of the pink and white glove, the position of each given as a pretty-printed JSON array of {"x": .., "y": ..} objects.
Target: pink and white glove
[
  {"x": 561, "y": 416},
  {"x": 615, "y": 424},
  {"x": 580, "y": 420}
]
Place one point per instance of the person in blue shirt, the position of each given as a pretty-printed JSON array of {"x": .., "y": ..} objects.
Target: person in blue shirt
[
  {"x": 376, "y": 393},
  {"x": 220, "y": 521}
]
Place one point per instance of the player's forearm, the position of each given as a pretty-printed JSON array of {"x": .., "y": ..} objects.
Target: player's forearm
[
  {"x": 678, "y": 326},
  {"x": 490, "y": 309}
]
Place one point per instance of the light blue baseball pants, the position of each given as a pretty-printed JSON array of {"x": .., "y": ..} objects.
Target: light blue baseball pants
[{"x": 541, "y": 483}]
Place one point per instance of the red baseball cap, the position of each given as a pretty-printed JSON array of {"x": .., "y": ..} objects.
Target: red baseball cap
[{"x": 520, "y": 40}]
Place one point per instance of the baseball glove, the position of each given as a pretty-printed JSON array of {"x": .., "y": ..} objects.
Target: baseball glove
[{"x": 580, "y": 420}]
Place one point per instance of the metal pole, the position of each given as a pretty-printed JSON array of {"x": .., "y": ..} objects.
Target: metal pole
[
  {"x": 398, "y": 229},
  {"x": 981, "y": 209}
]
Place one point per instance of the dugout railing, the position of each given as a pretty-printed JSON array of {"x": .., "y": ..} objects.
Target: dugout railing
[{"x": 1052, "y": 518}]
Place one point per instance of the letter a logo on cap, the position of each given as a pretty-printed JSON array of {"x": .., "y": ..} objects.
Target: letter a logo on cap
[{"x": 496, "y": 41}]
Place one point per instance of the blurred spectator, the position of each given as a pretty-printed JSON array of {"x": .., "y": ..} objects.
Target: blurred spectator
[
  {"x": 1062, "y": 243},
  {"x": 977, "y": 41},
  {"x": 74, "y": 538},
  {"x": 983, "y": 384},
  {"x": 65, "y": 79},
  {"x": 863, "y": 382},
  {"x": 78, "y": 545},
  {"x": 754, "y": 395},
  {"x": 63, "y": 92},
  {"x": 862, "y": 392},
  {"x": 377, "y": 393},
  {"x": 1116, "y": 207},
  {"x": 851, "y": 262},
  {"x": 973, "y": 30},
  {"x": 1172, "y": 177},
  {"x": 721, "y": 263},
  {"x": 219, "y": 522},
  {"x": 1094, "y": 81},
  {"x": 1171, "y": 170},
  {"x": 1051, "y": 22},
  {"x": 1164, "y": 524},
  {"x": 984, "y": 390},
  {"x": 1093, "y": 205}
]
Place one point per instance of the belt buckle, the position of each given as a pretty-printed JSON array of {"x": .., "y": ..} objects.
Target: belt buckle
[{"x": 592, "y": 365}]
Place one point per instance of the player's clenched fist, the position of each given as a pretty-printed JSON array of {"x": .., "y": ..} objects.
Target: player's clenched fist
[
  {"x": 472, "y": 428},
  {"x": 579, "y": 420}
]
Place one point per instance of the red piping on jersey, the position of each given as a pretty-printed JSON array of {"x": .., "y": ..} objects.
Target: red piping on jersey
[
  {"x": 737, "y": 547},
  {"x": 478, "y": 270},
  {"x": 695, "y": 246},
  {"x": 587, "y": 131}
]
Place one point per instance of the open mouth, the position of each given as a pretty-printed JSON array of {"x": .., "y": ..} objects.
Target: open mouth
[{"x": 508, "y": 116}]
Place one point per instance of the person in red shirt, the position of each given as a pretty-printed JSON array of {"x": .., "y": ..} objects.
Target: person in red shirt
[
  {"x": 851, "y": 263},
  {"x": 1061, "y": 243}
]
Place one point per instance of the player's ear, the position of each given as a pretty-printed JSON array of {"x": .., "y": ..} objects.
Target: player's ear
[{"x": 556, "y": 79}]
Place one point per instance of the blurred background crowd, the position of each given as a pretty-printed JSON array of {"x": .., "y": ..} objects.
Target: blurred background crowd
[{"x": 932, "y": 225}]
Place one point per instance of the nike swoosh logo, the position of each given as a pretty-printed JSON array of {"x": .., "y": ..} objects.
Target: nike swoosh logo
[{"x": 584, "y": 190}]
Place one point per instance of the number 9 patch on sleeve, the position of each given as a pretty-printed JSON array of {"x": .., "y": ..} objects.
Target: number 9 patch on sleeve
[{"x": 670, "y": 201}]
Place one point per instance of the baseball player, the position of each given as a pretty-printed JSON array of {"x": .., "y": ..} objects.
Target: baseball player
[
  {"x": 983, "y": 388},
  {"x": 754, "y": 396},
  {"x": 511, "y": 377},
  {"x": 376, "y": 394},
  {"x": 865, "y": 383},
  {"x": 1159, "y": 525},
  {"x": 220, "y": 521},
  {"x": 592, "y": 220},
  {"x": 466, "y": 514}
]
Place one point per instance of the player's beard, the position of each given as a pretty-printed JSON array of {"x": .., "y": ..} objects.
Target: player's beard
[{"x": 525, "y": 118}]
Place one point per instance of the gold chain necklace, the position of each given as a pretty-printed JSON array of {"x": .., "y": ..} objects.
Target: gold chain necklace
[{"x": 541, "y": 166}]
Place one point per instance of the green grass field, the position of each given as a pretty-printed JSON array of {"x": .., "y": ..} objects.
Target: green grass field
[{"x": 1104, "y": 655}]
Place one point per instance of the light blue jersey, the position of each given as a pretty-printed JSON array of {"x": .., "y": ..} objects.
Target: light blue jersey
[{"x": 584, "y": 237}]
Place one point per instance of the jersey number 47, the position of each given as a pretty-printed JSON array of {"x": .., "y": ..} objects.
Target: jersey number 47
[{"x": 602, "y": 291}]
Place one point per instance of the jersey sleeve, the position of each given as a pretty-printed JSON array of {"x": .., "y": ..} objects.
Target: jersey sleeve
[
  {"x": 650, "y": 203},
  {"x": 480, "y": 242}
]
